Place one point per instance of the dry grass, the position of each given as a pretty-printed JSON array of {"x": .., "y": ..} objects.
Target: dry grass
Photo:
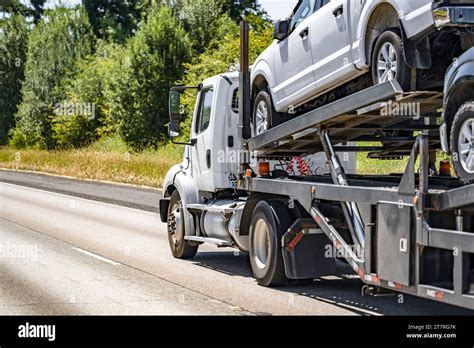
[
  {"x": 110, "y": 160},
  {"x": 101, "y": 161}
]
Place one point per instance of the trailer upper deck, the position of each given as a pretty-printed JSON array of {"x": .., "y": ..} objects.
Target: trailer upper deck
[{"x": 366, "y": 116}]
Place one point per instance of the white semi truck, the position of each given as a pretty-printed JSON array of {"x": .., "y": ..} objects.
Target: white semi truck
[{"x": 411, "y": 232}]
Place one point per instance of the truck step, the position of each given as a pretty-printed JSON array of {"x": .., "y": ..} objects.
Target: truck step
[{"x": 215, "y": 241}]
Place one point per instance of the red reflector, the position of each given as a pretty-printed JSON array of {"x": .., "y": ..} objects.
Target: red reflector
[
  {"x": 439, "y": 295},
  {"x": 318, "y": 220},
  {"x": 295, "y": 242},
  {"x": 395, "y": 285}
]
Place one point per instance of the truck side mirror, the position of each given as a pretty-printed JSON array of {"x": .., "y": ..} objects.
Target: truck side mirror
[
  {"x": 174, "y": 130},
  {"x": 281, "y": 29},
  {"x": 176, "y": 109}
]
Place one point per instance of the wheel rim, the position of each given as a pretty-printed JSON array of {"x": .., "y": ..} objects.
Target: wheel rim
[
  {"x": 261, "y": 118},
  {"x": 387, "y": 64},
  {"x": 466, "y": 146},
  {"x": 175, "y": 224},
  {"x": 261, "y": 244}
]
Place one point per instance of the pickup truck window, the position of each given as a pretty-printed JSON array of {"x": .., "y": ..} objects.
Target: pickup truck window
[
  {"x": 205, "y": 109},
  {"x": 304, "y": 10},
  {"x": 235, "y": 101}
]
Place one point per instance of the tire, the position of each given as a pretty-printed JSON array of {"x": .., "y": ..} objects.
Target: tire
[
  {"x": 389, "y": 49},
  {"x": 270, "y": 220},
  {"x": 462, "y": 149},
  {"x": 180, "y": 248},
  {"x": 264, "y": 115}
]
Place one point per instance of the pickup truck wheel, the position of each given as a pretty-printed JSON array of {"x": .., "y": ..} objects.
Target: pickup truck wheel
[
  {"x": 269, "y": 222},
  {"x": 388, "y": 60},
  {"x": 263, "y": 113},
  {"x": 180, "y": 247},
  {"x": 462, "y": 142}
]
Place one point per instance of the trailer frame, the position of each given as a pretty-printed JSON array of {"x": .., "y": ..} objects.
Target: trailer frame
[{"x": 417, "y": 218}]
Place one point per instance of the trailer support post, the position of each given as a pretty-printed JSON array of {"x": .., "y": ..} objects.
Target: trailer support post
[{"x": 351, "y": 211}]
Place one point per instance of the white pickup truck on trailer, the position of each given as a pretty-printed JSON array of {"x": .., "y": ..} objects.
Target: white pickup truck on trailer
[
  {"x": 326, "y": 50},
  {"x": 411, "y": 232}
]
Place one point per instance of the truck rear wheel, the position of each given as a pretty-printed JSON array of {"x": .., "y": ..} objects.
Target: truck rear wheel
[
  {"x": 388, "y": 60},
  {"x": 462, "y": 142},
  {"x": 270, "y": 221},
  {"x": 180, "y": 248}
]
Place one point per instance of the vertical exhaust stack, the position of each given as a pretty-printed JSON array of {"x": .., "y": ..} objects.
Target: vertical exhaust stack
[{"x": 244, "y": 97}]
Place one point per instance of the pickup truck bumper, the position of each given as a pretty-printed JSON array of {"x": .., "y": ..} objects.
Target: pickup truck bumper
[{"x": 454, "y": 16}]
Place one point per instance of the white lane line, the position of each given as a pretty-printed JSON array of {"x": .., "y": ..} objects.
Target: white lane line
[{"x": 101, "y": 258}]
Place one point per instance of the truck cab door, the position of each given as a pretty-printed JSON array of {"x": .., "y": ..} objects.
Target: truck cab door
[
  {"x": 331, "y": 46},
  {"x": 201, "y": 155},
  {"x": 293, "y": 59}
]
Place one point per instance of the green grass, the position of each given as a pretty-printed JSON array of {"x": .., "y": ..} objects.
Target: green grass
[
  {"x": 369, "y": 166},
  {"x": 366, "y": 165},
  {"x": 107, "y": 160}
]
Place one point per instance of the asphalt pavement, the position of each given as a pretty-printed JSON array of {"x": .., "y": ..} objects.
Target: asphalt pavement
[{"x": 86, "y": 256}]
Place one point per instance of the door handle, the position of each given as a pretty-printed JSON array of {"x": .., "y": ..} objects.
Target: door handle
[
  {"x": 304, "y": 33},
  {"x": 338, "y": 11},
  {"x": 208, "y": 159}
]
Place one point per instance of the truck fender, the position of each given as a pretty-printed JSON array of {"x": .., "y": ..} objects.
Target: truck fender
[
  {"x": 416, "y": 55},
  {"x": 458, "y": 89},
  {"x": 182, "y": 181},
  {"x": 262, "y": 69}
]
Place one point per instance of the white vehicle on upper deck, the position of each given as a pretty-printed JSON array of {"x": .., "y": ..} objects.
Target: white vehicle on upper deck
[{"x": 328, "y": 49}]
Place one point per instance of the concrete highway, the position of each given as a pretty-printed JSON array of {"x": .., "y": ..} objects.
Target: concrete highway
[{"x": 63, "y": 254}]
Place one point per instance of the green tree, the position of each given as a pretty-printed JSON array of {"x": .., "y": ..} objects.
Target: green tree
[
  {"x": 238, "y": 9},
  {"x": 37, "y": 9},
  {"x": 223, "y": 56},
  {"x": 153, "y": 62},
  {"x": 116, "y": 19},
  {"x": 13, "y": 42},
  {"x": 33, "y": 8},
  {"x": 201, "y": 19},
  {"x": 54, "y": 47}
]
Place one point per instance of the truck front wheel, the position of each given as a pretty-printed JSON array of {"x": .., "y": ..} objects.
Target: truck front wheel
[
  {"x": 462, "y": 142},
  {"x": 269, "y": 222},
  {"x": 180, "y": 247}
]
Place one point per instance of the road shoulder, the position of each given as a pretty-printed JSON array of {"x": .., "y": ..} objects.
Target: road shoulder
[{"x": 146, "y": 199}]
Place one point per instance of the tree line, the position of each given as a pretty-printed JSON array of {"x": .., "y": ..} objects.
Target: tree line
[{"x": 70, "y": 76}]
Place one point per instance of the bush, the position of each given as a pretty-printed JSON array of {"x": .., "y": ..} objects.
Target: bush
[
  {"x": 90, "y": 87},
  {"x": 54, "y": 47},
  {"x": 153, "y": 61}
]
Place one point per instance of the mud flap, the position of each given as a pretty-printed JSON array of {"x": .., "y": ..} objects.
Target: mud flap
[{"x": 309, "y": 255}]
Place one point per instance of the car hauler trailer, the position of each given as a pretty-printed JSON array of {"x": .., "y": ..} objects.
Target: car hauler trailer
[{"x": 411, "y": 232}]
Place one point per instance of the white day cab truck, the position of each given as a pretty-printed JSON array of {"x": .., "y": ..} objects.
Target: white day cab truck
[{"x": 411, "y": 232}]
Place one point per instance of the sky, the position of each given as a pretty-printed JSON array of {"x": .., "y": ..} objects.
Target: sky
[{"x": 276, "y": 8}]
